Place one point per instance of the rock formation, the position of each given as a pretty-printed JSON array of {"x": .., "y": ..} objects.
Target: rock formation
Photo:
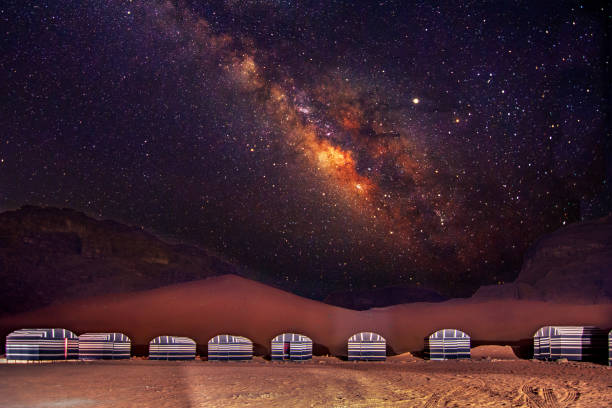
[
  {"x": 51, "y": 254},
  {"x": 573, "y": 264}
]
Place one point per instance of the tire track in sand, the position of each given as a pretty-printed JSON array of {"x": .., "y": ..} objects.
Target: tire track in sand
[
  {"x": 570, "y": 396},
  {"x": 537, "y": 397},
  {"x": 432, "y": 402},
  {"x": 443, "y": 399}
]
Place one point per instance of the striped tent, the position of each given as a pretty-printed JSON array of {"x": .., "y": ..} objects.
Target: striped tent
[
  {"x": 570, "y": 342},
  {"x": 107, "y": 346},
  {"x": 366, "y": 346},
  {"x": 541, "y": 343},
  {"x": 42, "y": 345},
  {"x": 448, "y": 344},
  {"x": 172, "y": 348},
  {"x": 291, "y": 346},
  {"x": 227, "y": 347}
]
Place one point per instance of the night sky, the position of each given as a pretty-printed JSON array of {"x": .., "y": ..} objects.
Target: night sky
[{"x": 329, "y": 145}]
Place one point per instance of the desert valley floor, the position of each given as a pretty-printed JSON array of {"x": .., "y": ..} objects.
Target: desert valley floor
[{"x": 402, "y": 381}]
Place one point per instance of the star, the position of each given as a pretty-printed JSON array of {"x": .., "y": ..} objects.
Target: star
[{"x": 368, "y": 125}]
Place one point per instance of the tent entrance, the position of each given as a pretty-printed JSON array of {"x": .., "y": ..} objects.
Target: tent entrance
[{"x": 287, "y": 350}]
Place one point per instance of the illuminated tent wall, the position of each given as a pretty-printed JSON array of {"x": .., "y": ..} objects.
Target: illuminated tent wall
[
  {"x": 570, "y": 342},
  {"x": 610, "y": 348},
  {"x": 42, "y": 345},
  {"x": 367, "y": 346},
  {"x": 106, "y": 346},
  {"x": 541, "y": 343},
  {"x": 447, "y": 344},
  {"x": 172, "y": 348},
  {"x": 227, "y": 347},
  {"x": 291, "y": 346}
]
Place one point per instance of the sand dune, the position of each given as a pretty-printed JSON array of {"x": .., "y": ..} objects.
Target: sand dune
[{"x": 231, "y": 304}]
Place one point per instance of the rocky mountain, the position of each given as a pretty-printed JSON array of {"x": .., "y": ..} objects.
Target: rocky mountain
[
  {"x": 55, "y": 255},
  {"x": 51, "y": 254},
  {"x": 573, "y": 264}
]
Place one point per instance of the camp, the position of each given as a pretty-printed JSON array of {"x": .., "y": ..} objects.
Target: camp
[
  {"x": 104, "y": 346},
  {"x": 172, "y": 348},
  {"x": 367, "y": 346},
  {"x": 448, "y": 344},
  {"x": 42, "y": 345},
  {"x": 578, "y": 343},
  {"x": 291, "y": 346},
  {"x": 227, "y": 347}
]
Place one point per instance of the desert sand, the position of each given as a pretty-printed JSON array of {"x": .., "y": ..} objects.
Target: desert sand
[
  {"x": 235, "y": 305},
  {"x": 322, "y": 382}
]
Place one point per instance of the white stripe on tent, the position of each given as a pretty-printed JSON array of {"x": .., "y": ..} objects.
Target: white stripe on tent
[
  {"x": 227, "y": 338},
  {"x": 367, "y": 346},
  {"x": 448, "y": 344},
  {"x": 228, "y": 347},
  {"x": 366, "y": 336},
  {"x": 41, "y": 344},
  {"x": 291, "y": 337},
  {"x": 571, "y": 342},
  {"x": 300, "y": 348},
  {"x": 104, "y": 346},
  {"x": 610, "y": 348},
  {"x": 172, "y": 340},
  {"x": 172, "y": 348}
]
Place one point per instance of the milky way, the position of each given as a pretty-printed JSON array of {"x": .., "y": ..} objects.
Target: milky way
[{"x": 327, "y": 145}]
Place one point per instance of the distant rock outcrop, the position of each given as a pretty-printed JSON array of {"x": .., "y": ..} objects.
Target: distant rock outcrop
[
  {"x": 52, "y": 254},
  {"x": 382, "y": 297},
  {"x": 573, "y": 264}
]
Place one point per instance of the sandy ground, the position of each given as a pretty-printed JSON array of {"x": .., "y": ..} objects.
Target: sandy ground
[{"x": 402, "y": 381}]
